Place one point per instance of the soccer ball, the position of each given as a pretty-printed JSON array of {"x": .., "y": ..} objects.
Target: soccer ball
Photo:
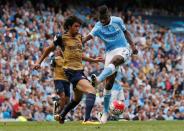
[{"x": 117, "y": 107}]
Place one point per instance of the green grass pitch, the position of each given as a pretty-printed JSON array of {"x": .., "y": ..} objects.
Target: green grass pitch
[{"x": 110, "y": 126}]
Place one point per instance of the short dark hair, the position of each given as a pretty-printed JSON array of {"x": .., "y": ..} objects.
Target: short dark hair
[
  {"x": 103, "y": 11},
  {"x": 70, "y": 21}
]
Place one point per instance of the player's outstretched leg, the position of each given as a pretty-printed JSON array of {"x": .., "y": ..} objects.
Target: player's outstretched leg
[
  {"x": 108, "y": 71},
  {"x": 107, "y": 98},
  {"x": 77, "y": 98},
  {"x": 66, "y": 109},
  {"x": 103, "y": 116},
  {"x": 85, "y": 86},
  {"x": 90, "y": 100}
]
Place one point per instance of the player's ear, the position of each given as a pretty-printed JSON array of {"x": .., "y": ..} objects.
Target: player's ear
[{"x": 69, "y": 27}]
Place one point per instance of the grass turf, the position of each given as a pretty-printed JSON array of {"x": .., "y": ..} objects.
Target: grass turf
[{"x": 110, "y": 126}]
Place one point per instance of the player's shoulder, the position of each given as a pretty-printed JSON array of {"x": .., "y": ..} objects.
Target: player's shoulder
[
  {"x": 65, "y": 34},
  {"x": 98, "y": 24},
  {"x": 115, "y": 18},
  {"x": 79, "y": 35},
  {"x": 58, "y": 57}
]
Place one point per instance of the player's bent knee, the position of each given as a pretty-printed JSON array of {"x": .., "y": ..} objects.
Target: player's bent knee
[
  {"x": 67, "y": 100},
  {"x": 77, "y": 99},
  {"x": 91, "y": 90},
  {"x": 62, "y": 95},
  {"x": 85, "y": 87},
  {"x": 109, "y": 86},
  {"x": 118, "y": 60},
  {"x": 110, "y": 82}
]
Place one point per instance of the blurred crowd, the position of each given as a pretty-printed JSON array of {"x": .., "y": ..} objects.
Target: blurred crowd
[{"x": 153, "y": 81}]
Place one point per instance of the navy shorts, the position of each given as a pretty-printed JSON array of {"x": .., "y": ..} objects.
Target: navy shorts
[
  {"x": 62, "y": 86},
  {"x": 74, "y": 76}
]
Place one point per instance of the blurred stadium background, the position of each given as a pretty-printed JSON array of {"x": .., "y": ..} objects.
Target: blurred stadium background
[{"x": 153, "y": 81}]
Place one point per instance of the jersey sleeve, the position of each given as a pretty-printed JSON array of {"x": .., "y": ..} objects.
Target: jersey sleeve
[
  {"x": 55, "y": 43},
  {"x": 94, "y": 31},
  {"x": 58, "y": 40},
  {"x": 121, "y": 24}
]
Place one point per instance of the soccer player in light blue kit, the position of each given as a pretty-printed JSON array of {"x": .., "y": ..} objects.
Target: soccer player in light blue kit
[{"x": 112, "y": 31}]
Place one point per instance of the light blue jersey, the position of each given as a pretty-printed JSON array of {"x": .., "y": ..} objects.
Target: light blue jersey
[
  {"x": 112, "y": 34},
  {"x": 116, "y": 85}
]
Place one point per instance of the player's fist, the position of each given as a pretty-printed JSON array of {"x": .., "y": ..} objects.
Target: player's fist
[
  {"x": 135, "y": 51},
  {"x": 58, "y": 39},
  {"x": 99, "y": 59},
  {"x": 36, "y": 66}
]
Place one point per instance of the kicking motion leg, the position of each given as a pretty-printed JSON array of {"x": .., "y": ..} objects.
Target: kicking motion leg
[
  {"x": 108, "y": 70},
  {"x": 107, "y": 97}
]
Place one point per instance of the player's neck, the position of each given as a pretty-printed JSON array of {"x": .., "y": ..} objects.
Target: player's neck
[
  {"x": 72, "y": 34},
  {"x": 107, "y": 23}
]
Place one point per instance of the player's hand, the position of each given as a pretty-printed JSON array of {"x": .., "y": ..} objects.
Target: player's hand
[
  {"x": 135, "y": 51},
  {"x": 36, "y": 66},
  {"x": 99, "y": 59}
]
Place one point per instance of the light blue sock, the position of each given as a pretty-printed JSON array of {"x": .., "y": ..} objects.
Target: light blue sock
[
  {"x": 107, "y": 71},
  {"x": 107, "y": 97}
]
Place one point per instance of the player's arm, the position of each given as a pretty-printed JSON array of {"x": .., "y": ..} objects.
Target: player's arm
[
  {"x": 57, "y": 41},
  {"x": 87, "y": 38},
  {"x": 44, "y": 55},
  {"x": 130, "y": 41},
  {"x": 127, "y": 35},
  {"x": 93, "y": 33},
  {"x": 89, "y": 59}
]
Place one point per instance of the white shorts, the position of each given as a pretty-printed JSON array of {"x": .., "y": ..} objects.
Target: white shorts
[
  {"x": 117, "y": 95},
  {"x": 125, "y": 52}
]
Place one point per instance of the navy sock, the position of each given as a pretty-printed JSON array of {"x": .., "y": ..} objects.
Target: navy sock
[
  {"x": 69, "y": 107},
  {"x": 90, "y": 100}
]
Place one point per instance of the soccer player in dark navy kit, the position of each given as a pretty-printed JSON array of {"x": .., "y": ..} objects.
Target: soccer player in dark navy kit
[{"x": 71, "y": 45}]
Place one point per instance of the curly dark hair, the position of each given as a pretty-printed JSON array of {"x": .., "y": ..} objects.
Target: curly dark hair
[{"x": 70, "y": 21}]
